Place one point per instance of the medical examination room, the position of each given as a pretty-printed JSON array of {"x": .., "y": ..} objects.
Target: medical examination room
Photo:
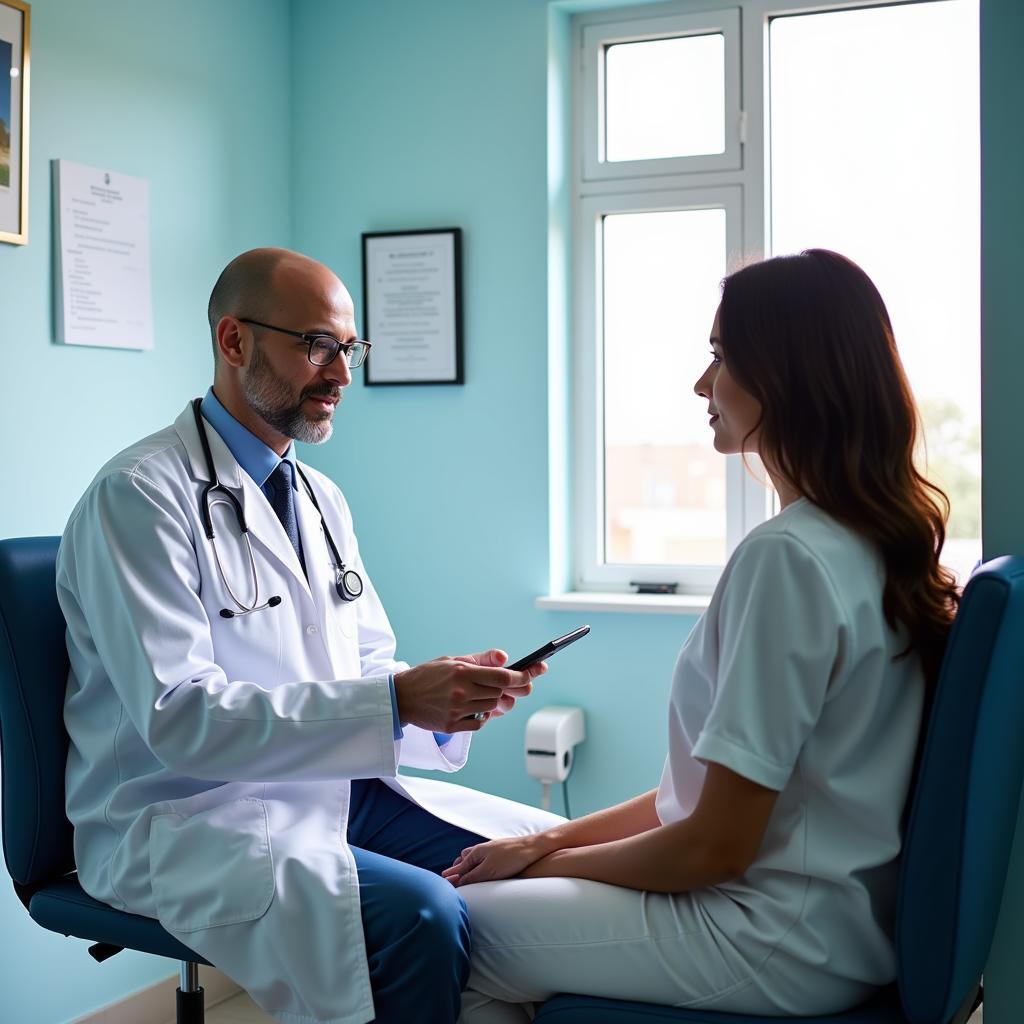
[{"x": 513, "y": 511}]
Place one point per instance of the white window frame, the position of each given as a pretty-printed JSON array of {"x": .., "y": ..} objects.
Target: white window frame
[
  {"x": 589, "y": 482},
  {"x": 736, "y": 180},
  {"x": 597, "y": 38}
]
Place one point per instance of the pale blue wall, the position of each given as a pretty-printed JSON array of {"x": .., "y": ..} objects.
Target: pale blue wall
[
  {"x": 194, "y": 96},
  {"x": 437, "y": 117}
]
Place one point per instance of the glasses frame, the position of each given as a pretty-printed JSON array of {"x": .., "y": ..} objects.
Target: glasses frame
[{"x": 311, "y": 339}]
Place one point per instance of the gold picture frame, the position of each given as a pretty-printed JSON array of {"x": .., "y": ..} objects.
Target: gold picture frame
[{"x": 14, "y": 90}]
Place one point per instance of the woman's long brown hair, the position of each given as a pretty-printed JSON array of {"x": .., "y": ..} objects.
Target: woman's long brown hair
[{"x": 809, "y": 336}]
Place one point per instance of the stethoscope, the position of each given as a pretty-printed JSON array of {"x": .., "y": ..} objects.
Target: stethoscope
[{"x": 347, "y": 582}]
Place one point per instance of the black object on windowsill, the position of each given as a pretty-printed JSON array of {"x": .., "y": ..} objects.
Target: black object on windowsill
[{"x": 654, "y": 588}]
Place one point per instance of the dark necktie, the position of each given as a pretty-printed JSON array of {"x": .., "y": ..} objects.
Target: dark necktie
[{"x": 283, "y": 503}]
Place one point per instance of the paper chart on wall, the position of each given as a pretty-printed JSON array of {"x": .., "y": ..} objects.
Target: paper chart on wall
[{"x": 103, "y": 286}]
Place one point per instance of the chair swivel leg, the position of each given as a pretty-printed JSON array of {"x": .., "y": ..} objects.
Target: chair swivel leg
[{"x": 190, "y": 995}]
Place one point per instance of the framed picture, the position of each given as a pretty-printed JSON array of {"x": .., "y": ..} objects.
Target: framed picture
[
  {"x": 412, "y": 303},
  {"x": 14, "y": 25}
]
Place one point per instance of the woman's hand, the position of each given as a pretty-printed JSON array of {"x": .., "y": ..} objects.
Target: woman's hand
[{"x": 500, "y": 858}]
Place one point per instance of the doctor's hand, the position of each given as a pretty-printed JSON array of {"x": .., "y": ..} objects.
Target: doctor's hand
[
  {"x": 509, "y": 696},
  {"x": 500, "y": 858},
  {"x": 443, "y": 695}
]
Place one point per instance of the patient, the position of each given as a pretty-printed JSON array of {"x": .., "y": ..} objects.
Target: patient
[{"x": 760, "y": 875}]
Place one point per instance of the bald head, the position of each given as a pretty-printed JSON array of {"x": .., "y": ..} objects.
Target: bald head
[
  {"x": 251, "y": 284},
  {"x": 264, "y": 310}
]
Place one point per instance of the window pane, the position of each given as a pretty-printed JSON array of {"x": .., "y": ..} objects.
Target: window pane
[
  {"x": 664, "y": 482},
  {"x": 665, "y": 98},
  {"x": 875, "y": 153}
]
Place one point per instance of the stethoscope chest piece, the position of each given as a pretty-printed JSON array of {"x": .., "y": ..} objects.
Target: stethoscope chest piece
[{"x": 348, "y": 583}]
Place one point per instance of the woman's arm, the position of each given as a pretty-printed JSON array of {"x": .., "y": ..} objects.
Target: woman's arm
[
  {"x": 629, "y": 818},
  {"x": 717, "y": 842},
  {"x": 503, "y": 858}
]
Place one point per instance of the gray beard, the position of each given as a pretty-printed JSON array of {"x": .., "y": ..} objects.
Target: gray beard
[{"x": 270, "y": 398}]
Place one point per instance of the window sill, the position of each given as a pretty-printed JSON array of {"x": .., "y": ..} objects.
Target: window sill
[{"x": 664, "y": 604}]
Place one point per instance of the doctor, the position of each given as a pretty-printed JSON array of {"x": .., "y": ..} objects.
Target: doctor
[{"x": 236, "y": 713}]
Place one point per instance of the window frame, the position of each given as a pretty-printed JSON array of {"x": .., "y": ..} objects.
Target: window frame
[
  {"x": 599, "y": 187},
  {"x": 600, "y": 36},
  {"x": 593, "y": 572}
]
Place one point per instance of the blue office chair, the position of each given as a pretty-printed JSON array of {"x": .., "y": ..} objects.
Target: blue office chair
[
  {"x": 962, "y": 816},
  {"x": 33, "y": 751}
]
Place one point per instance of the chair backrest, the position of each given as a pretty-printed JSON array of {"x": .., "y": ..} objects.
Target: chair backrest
[
  {"x": 964, "y": 808},
  {"x": 37, "y": 836}
]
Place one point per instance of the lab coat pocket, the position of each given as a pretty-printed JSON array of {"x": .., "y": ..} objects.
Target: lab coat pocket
[
  {"x": 213, "y": 867},
  {"x": 345, "y": 617}
]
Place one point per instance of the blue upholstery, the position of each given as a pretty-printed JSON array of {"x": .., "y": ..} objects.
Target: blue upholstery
[
  {"x": 963, "y": 813},
  {"x": 63, "y": 906},
  {"x": 37, "y": 836},
  {"x": 964, "y": 810},
  {"x": 33, "y": 677}
]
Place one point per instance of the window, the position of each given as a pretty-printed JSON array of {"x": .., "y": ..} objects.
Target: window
[{"x": 856, "y": 129}]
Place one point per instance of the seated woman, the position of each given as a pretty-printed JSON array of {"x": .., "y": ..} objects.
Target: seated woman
[{"x": 760, "y": 876}]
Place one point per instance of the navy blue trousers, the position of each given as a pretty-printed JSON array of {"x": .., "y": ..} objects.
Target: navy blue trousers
[{"x": 414, "y": 922}]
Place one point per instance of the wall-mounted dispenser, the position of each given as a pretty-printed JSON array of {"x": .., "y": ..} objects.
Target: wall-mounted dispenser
[{"x": 552, "y": 734}]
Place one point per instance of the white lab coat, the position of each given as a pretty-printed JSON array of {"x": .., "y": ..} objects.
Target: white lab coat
[{"x": 208, "y": 772}]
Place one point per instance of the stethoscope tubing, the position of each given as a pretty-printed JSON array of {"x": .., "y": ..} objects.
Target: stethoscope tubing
[{"x": 348, "y": 583}]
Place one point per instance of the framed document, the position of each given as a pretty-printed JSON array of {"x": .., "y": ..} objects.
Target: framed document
[
  {"x": 14, "y": 25},
  {"x": 412, "y": 302}
]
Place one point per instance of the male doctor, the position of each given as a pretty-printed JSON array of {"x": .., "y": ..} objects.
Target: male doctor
[{"x": 236, "y": 713}]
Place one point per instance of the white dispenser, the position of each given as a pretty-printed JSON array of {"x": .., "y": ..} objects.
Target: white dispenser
[{"x": 551, "y": 737}]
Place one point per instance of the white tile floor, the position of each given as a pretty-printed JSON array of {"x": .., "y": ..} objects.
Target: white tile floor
[{"x": 241, "y": 1009}]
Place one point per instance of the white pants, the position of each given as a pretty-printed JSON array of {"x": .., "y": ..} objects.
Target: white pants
[{"x": 535, "y": 938}]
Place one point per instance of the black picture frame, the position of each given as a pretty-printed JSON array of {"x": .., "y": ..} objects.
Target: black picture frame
[{"x": 411, "y": 276}]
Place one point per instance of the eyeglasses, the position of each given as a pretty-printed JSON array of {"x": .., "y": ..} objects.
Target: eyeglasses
[{"x": 323, "y": 348}]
